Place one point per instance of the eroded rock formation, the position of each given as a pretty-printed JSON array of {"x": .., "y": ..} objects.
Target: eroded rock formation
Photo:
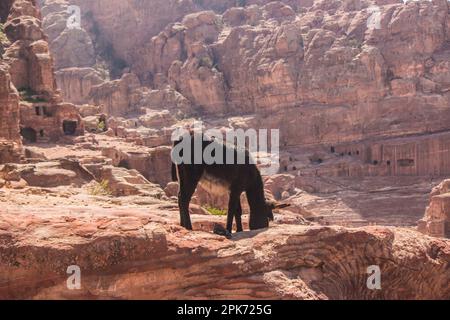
[
  {"x": 130, "y": 253},
  {"x": 363, "y": 111},
  {"x": 436, "y": 221},
  {"x": 323, "y": 71},
  {"x": 10, "y": 142},
  {"x": 43, "y": 115}
]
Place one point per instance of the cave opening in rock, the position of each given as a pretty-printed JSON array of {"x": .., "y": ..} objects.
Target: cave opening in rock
[
  {"x": 46, "y": 111},
  {"x": 124, "y": 164},
  {"x": 405, "y": 162},
  {"x": 69, "y": 127},
  {"x": 29, "y": 134}
]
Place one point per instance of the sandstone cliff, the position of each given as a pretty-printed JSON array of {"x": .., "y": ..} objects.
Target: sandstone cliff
[
  {"x": 326, "y": 75},
  {"x": 10, "y": 141},
  {"x": 436, "y": 221},
  {"x": 43, "y": 115},
  {"x": 357, "y": 90},
  {"x": 362, "y": 102}
]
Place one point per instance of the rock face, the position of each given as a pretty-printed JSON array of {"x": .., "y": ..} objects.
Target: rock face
[
  {"x": 117, "y": 97},
  {"x": 152, "y": 163},
  {"x": 10, "y": 142},
  {"x": 43, "y": 117},
  {"x": 128, "y": 252},
  {"x": 71, "y": 46},
  {"x": 29, "y": 55},
  {"x": 361, "y": 100},
  {"x": 146, "y": 20},
  {"x": 43, "y": 122},
  {"x": 436, "y": 221},
  {"x": 329, "y": 74},
  {"x": 356, "y": 91},
  {"x": 296, "y": 68},
  {"x": 124, "y": 182},
  {"x": 76, "y": 84}
]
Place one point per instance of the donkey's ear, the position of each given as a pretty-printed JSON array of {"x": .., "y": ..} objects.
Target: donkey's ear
[
  {"x": 271, "y": 203},
  {"x": 282, "y": 205}
]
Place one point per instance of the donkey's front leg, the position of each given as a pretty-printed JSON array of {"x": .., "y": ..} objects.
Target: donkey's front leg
[
  {"x": 233, "y": 207},
  {"x": 239, "y": 217}
]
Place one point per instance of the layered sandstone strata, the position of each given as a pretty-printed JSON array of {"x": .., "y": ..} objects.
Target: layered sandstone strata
[
  {"x": 353, "y": 100},
  {"x": 134, "y": 253},
  {"x": 325, "y": 75}
]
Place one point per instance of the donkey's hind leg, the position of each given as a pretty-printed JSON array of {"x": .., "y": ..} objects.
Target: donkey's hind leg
[{"x": 188, "y": 180}]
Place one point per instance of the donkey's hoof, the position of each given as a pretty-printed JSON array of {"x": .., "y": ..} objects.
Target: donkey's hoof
[{"x": 221, "y": 231}]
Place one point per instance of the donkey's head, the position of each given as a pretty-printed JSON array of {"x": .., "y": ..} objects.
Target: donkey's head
[{"x": 261, "y": 220}]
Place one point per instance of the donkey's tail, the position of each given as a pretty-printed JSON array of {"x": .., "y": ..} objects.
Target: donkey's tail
[{"x": 174, "y": 172}]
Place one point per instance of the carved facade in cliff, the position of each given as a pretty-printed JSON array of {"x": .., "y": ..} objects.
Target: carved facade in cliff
[
  {"x": 43, "y": 116},
  {"x": 10, "y": 142}
]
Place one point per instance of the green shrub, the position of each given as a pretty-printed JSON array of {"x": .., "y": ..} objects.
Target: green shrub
[
  {"x": 102, "y": 68},
  {"x": 354, "y": 43},
  {"x": 216, "y": 211},
  {"x": 101, "y": 126},
  {"x": 219, "y": 23},
  {"x": 3, "y": 38},
  {"x": 27, "y": 94},
  {"x": 101, "y": 189},
  {"x": 206, "y": 62}
]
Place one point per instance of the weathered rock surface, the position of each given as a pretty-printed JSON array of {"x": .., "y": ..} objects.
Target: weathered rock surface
[
  {"x": 436, "y": 221},
  {"x": 129, "y": 253},
  {"x": 71, "y": 46},
  {"x": 326, "y": 75},
  {"x": 29, "y": 55},
  {"x": 124, "y": 182},
  {"x": 43, "y": 116},
  {"x": 351, "y": 101},
  {"x": 76, "y": 84},
  {"x": 117, "y": 97},
  {"x": 152, "y": 163},
  {"x": 10, "y": 142},
  {"x": 47, "y": 174}
]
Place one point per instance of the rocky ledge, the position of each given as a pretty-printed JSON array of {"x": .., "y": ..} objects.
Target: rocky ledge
[{"x": 144, "y": 254}]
